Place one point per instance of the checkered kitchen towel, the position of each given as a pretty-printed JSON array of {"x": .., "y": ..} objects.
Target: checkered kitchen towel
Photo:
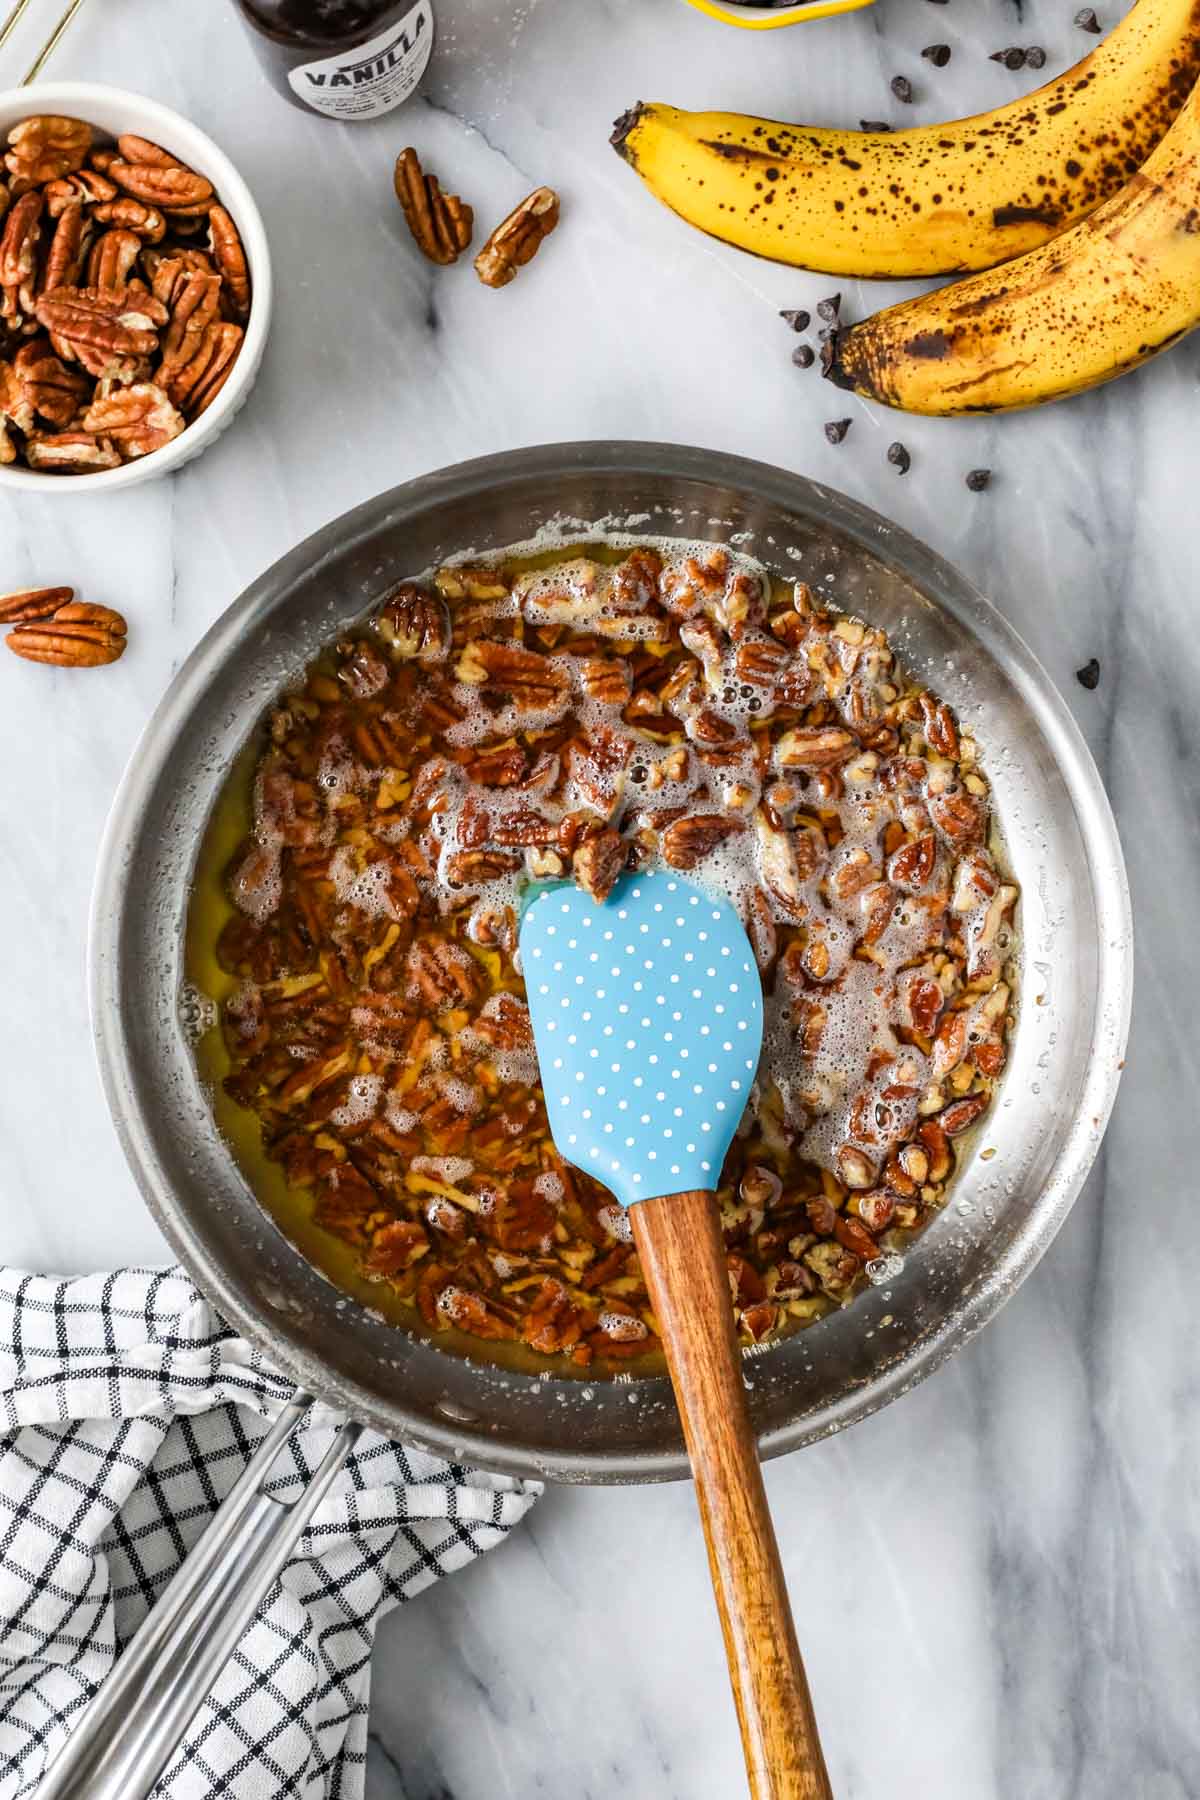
[{"x": 127, "y": 1411}]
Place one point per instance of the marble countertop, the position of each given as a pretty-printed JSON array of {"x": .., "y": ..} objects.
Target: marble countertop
[{"x": 996, "y": 1580}]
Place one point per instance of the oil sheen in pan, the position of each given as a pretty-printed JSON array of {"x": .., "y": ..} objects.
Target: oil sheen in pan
[{"x": 207, "y": 983}]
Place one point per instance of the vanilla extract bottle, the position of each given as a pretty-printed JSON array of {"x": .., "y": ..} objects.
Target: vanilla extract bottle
[{"x": 344, "y": 59}]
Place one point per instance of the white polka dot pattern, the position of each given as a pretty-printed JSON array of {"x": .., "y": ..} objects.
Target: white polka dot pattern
[{"x": 643, "y": 1086}]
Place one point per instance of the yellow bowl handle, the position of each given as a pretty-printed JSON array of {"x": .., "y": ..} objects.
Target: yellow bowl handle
[{"x": 755, "y": 20}]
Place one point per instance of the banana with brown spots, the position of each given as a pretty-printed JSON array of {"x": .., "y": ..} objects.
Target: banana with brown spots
[
  {"x": 1121, "y": 286},
  {"x": 939, "y": 199}
]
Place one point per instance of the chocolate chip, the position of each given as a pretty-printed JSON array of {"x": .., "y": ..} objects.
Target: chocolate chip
[
  {"x": 1086, "y": 20},
  {"x": 828, "y": 309},
  {"x": 879, "y": 124},
  {"x": 1035, "y": 57},
  {"x": 902, "y": 88},
  {"x": 1012, "y": 58},
  {"x": 798, "y": 320},
  {"x": 827, "y": 334},
  {"x": 937, "y": 54},
  {"x": 977, "y": 479},
  {"x": 836, "y": 429},
  {"x": 899, "y": 457},
  {"x": 1089, "y": 675},
  {"x": 803, "y": 356}
]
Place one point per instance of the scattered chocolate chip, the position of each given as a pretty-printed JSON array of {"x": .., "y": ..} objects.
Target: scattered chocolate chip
[
  {"x": 1089, "y": 675},
  {"x": 829, "y": 309},
  {"x": 803, "y": 356},
  {"x": 878, "y": 124},
  {"x": 898, "y": 456},
  {"x": 1035, "y": 57},
  {"x": 937, "y": 54},
  {"x": 902, "y": 88},
  {"x": 798, "y": 320},
  {"x": 937, "y": 2},
  {"x": 836, "y": 429},
  {"x": 1086, "y": 20},
  {"x": 1012, "y": 58},
  {"x": 827, "y": 334},
  {"x": 977, "y": 479}
]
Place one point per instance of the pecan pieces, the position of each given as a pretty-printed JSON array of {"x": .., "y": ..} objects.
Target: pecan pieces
[
  {"x": 416, "y": 623},
  {"x": 517, "y": 239},
  {"x": 70, "y": 453},
  {"x": 18, "y": 259},
  {"x": 512, "y": 673},
  {"x": 112, "y": 261},
  {"x": 137, "y": 419},
  {"x": 174, "y": 188},
  {"x": 195, "y": 386},
  {"x": 688, "y": 841},
  {"x": 93, "y": 271},
  {"x": 68, "y": 247},
  {"x": 46, "y": 148},
  {"x": 441, "y": 224},
  {"x": 71, "y": 634},
  {"x": 33, "y": 603},
  {"x": 515, "y": 721},
  {"x": 15, "y": 411},
  {"x": 815, "y": 747},
  {"x": 598, "y": 862},
  {"x": 224, "y": 240}
]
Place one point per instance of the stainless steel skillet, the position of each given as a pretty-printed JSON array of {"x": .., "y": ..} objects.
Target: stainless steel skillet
[{"x": 1072, "y": 1010}]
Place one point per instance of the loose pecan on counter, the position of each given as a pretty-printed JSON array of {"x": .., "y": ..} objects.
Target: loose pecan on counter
[
  {"x": 441, "y": 224},
  {"x": 75, "y": 635},
  {"x": 517, "y": 239},
  {"x": 33, "y": 603}
]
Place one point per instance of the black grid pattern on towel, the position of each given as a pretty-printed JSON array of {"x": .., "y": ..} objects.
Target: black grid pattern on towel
[{"x": 127, "y": 1411}]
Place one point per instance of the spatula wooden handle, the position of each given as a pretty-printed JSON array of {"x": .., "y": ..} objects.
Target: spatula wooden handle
[{"x": 682, "y": 1253}]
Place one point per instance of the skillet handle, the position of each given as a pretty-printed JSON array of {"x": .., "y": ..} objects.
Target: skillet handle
[
  {"x": 682, "y": 1252},
  {"x": 131, "y": 1727}
]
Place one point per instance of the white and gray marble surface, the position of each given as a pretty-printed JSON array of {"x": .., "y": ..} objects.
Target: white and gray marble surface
[{"x": 996, "y": 1581}]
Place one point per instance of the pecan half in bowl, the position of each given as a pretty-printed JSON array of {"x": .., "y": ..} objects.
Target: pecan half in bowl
[
  {"x": 461, "y": 1395},
  {"x": 109, "y": 376}
]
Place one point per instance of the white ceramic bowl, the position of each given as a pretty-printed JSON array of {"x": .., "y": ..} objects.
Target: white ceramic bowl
[{"x": 111, "y": 111}]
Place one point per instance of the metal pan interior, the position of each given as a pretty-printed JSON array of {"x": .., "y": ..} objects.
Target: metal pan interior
[{"x": 1071, "y": 1008}]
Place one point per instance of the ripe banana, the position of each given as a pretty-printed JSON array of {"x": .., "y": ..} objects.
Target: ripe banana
[
  {"x": 1116, "y": 289},
  {"x": 939, "y": 199}
]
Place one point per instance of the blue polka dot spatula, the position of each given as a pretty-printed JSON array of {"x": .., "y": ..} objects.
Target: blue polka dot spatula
[{"x": 647, "y": 1014}]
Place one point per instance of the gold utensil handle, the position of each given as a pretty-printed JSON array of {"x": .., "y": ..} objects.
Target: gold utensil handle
[
  {"x": 13, "y": 20},
  {"x": 16, "y": 14}
]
